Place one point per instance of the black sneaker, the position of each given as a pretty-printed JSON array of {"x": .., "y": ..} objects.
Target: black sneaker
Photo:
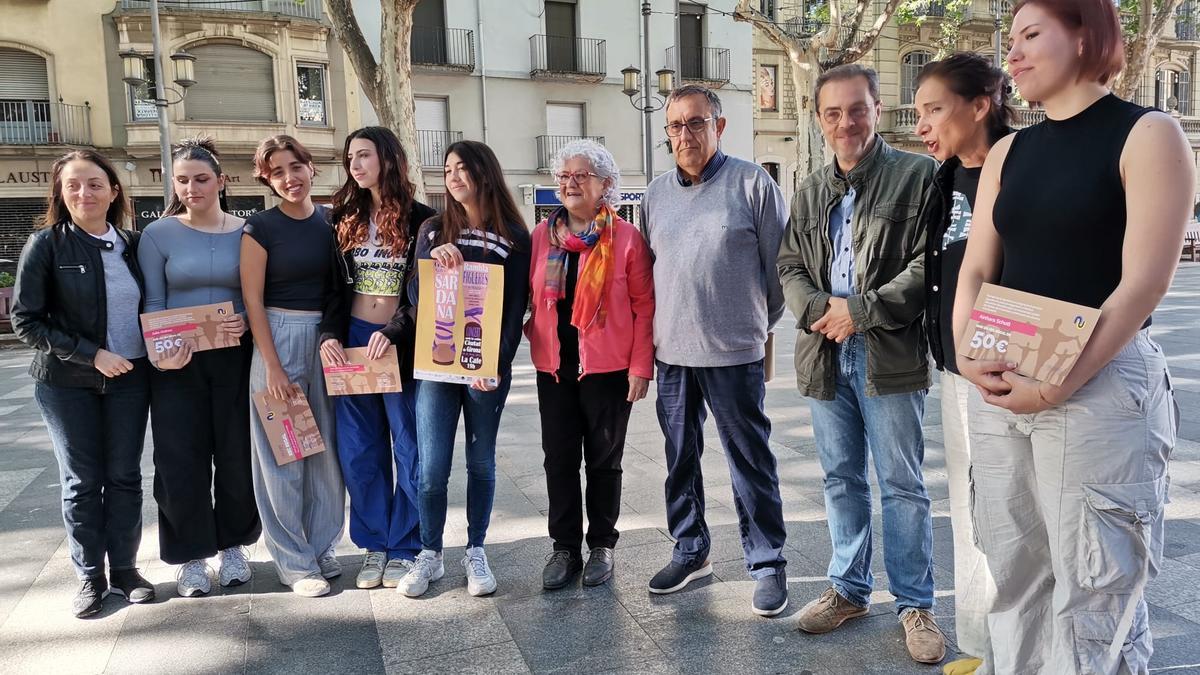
[
  {"x": 770, "y": 594},
  {"x": 675, "y": 576},
  {"x": 561, "y": 568},
  {"x": 132, "y": 585},
  {"x": 599, "y": 568},
  {"x": 90, "y": 597}
]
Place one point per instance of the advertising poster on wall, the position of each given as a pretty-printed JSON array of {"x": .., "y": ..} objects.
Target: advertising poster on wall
[{"x": 458, "y": 322}]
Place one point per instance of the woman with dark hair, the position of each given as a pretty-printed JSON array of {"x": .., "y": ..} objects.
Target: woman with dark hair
[
  {"x": 1087, "y": 207},
  {"x": 291, "y": 278},
  {"x": 376, "y": 221},
  {"x": 481, "y": 224},
  {"x": 963, "y": 105},
  {"x": 76, "y": 302},
  {"x": 201, "y": 401}
]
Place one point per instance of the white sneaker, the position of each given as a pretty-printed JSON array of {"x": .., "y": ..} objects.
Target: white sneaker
[
  {"x": 330, "y": 566},
  {"x": 311, "y": 587},
  {"x": 427, "y": 568},
  {"x": 191, "y": 579},
  {"x": 395, "y": 571},
  {"x": 235, "y": 569},
  {"x": 371, "y": 574},
  {"x": 480, "y": 580}
]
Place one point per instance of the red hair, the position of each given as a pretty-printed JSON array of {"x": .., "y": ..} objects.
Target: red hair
[{"x": 1099, "y": 25}]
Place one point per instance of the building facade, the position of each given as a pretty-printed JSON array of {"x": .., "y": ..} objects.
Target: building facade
[
  {"x": 263, "y": 67},
  {"x": 528, "y": 76},
  {"x": 901, "y": 51}
]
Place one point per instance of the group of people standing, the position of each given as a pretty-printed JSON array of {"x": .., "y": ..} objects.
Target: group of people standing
[{"x": 1056, "y": 492}]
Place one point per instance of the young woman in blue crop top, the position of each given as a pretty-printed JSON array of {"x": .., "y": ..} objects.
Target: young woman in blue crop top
[
  {"x": 376, "y": 220},
  {"x": 200, "y": 403}
]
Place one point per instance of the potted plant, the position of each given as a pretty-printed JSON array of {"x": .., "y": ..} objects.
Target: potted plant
[{"x": 6, "y": 294}]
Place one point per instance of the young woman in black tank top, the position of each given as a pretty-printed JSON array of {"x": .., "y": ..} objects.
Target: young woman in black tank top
[{"x": 1070, "y": 481}]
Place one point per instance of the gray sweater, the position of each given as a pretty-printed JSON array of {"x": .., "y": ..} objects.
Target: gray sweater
[
  {"x": 183, "y": 267},
  {"x": 715, "y": 244}
]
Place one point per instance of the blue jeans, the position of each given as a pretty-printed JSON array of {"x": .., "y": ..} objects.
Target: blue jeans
[
  {"x": 98, "y": 437},
  {"x": 375, "y": 432},
  {"x": 890, "y": 427},
  {"x": 438, "y": 407},
  {"x": 736, "y": 395}
]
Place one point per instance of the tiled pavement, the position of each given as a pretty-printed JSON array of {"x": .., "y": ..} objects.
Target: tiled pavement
[{"x": 619, "y": 627}]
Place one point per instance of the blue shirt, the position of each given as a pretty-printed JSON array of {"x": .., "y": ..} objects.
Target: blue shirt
[{"x": 841, "y": 236}]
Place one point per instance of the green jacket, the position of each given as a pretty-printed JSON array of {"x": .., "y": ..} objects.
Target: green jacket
[{"x": 889, "y": 270}]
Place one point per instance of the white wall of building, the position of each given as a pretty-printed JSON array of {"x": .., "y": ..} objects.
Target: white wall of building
[{"x": 516, "y": 104}]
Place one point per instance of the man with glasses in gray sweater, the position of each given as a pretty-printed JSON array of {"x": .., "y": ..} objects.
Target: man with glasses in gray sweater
[{"x": 714, "y": 227}]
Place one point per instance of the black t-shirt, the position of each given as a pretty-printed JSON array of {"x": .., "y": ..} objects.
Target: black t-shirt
[
  {"x": 568, "y": 335},
  {"x": 299, "y": 253},
  {"x": 953, "y": 246}
]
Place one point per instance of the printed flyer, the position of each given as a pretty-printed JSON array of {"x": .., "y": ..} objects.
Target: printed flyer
[
  {"x": 362, "y": 375},
  {"x": 290, "y": 426},
  {"x": 458, "y": 322},
  {"x": 199, "y": 326},
  {"x": 1043, "y": 336}
]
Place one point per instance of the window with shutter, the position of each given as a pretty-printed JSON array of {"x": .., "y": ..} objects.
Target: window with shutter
[
  {"x": 233, "y": 83},
  {"x": 564, "y": 119}
]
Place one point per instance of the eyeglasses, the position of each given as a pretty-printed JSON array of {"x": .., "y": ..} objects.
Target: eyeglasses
[
  {"x": 578, "y": 176},
  {"x": 674, "y": 129},
  {"x": 833, "y": 116}
]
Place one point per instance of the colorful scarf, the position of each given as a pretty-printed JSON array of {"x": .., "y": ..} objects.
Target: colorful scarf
[{"x": 594, "y": 278}]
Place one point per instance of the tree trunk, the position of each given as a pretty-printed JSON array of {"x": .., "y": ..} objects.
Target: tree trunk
[
  {"x": 1140, "y": 50},
  {"x": 810, "y": 144},
  {"x": 387, "y": 83}
]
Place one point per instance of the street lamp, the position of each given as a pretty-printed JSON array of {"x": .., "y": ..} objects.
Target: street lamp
[
  {"x": 647, "y": 103},
  {"x": 134, "y": 64}
]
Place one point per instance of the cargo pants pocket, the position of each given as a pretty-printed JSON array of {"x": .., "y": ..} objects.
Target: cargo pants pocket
[
  {"x": 1093, "y": 635},
  {"x": 1122, "y": 538}
]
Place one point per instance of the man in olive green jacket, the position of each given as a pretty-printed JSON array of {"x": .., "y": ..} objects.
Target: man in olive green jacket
[{"x": 852, "y": 269}]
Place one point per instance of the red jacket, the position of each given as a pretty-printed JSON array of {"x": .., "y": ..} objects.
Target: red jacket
[{"x": 627, "y": 339}]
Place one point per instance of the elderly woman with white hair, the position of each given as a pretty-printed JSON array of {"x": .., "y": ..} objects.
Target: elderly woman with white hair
[{"x": 591, "y": 339}]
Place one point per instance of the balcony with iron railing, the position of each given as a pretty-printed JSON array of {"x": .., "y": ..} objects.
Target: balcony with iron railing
[
  {"x": 709, "y": 65},
  {"x": 443, "y": 48},
  {"x": 548, "y": 146},
  {"x": 802, "y": 27},
  {"x": 1186, "y": 28},
  {"x": 44, "y": 123},
  {"x": 930, "y": 9},
  {"x": 902, "y": 120},
  {"x": 432, "y": 146},
  {"x": 570, "y": 58},
  {"x": 302, "y": 9}
]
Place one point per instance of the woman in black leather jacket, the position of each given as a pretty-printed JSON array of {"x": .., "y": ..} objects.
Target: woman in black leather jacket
[{"x": 77, "y": 298}]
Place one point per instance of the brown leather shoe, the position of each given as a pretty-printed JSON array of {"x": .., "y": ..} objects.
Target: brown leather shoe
[
  {"x": 924, "y": 639},
  {"x": 828, "y": 612}
]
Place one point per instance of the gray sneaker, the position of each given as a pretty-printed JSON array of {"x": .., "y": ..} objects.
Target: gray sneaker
[
  {"x": 770, "y": 594},
  {"x": 191, "y": 579},
  {"x": 480, "y": 580},
  {"x": 330, "y": 566},
  {"x": 235, "y": 569},
  {"x": 395, "y": 571},
  {"x": 371, "y": 574},
  {"x": 427, "y": 568}
]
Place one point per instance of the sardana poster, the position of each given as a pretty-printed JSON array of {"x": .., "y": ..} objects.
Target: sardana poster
[{"x": 458, "y": 322}]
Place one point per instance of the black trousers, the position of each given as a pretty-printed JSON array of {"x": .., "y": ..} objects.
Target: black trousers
[
  {"x": 584, "y": 420},
  {"x": 200, "y": 420}
]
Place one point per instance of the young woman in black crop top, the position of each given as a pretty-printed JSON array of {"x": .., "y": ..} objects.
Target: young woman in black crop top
[
  {"x": 290, "y": 282},
  {"x": 1070, "y": 481}
]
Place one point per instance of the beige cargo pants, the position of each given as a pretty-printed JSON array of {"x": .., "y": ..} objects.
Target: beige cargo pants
[{"x": 1068, "y": 508}]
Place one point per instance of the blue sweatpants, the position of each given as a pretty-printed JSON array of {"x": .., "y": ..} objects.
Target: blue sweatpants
[{"x": 375, "y": 432}]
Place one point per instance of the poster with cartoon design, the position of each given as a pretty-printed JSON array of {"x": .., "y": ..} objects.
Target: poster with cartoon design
[
  {"x": 363, "y": 375},
  {"x": 458, "y": 322},
  {"x": 1043, "y": 336},
  {"x": 290, "y": 427},
  {"x": 199, "y": 326}
]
